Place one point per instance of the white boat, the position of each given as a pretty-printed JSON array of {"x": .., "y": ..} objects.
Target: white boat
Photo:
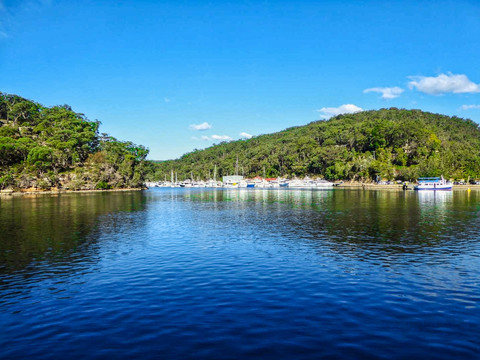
[
  {"x": 230, "y": 184},
  {"x": 199, "y": 184},
  {"x": 283, "y": 183},
  {"x": 278, "y": 182},
  {"x": 305, "y": 183},
  {"x": 242, "y": 184},
  {"x": 151, "y": 184},
  {"x": 186, "y": 184},
  {"x": 260, "y": 183},
  {"x": 433, "y": 183},
  {"x": 213, "y": 183},
  {"x": 324, "y": 183}
]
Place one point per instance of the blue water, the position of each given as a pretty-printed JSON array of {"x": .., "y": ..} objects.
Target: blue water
[{"x": 279, "y": 274}]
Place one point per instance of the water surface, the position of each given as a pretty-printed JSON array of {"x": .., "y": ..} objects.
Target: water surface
[{"x": 180, "y": 273}]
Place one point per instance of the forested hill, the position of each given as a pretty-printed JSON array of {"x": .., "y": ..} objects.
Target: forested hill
[
  {"x": 388, "y": 143},
  {"x": 55, "y": 147}
]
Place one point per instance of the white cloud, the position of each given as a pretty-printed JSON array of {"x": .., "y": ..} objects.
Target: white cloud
[
  {"x": 213, "y": 138},
  {"x": 387, "y": 92},
  {"x": 443, "y": 83},
  {"x": 328, "y": 112},
  {"x": 167, "y": 100},
  {"x": 468, "y": 107},
  {"x": 245, "y": 135},
  {"x": 221, "y": 137},
  {"x": 201, "y": 127}
]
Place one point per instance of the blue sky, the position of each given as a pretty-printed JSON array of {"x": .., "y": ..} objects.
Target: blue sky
[{"x": 180, "y": 75}]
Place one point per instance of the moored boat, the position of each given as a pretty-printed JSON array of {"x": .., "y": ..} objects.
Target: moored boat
[
  {"x": 323, "y": 183},
  {"x": 433, "y": 183},
  {"x": 250, "y": 184}
]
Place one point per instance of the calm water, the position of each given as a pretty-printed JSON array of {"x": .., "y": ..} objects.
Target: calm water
[{"x": 178, "y": 273}]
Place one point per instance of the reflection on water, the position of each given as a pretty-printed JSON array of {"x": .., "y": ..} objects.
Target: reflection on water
[
  {"x": 262, "y": 273},
  {"x": 296, "y": 198},
  {"x": 374, "y": 221},
  {"x": 436, "y": 197},
  {"x": 56, "y": 227}
]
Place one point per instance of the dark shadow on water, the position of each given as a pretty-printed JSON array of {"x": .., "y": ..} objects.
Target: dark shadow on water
[{"x": 59, "y": 229}]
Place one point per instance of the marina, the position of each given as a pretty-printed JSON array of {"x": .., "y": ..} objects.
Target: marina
[{"x": 240, "y": 183}]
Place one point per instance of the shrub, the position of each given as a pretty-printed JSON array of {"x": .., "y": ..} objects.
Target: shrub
[{"x": 102, "y": 185}]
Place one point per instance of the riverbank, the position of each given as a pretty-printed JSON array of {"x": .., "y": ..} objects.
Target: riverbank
[
  {"x": 347, "y": 185},
  {"x": 32, "y": 191},
  {"x": 373, "y": 186}
]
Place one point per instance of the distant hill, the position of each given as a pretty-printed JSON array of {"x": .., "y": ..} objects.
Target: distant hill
[
  {"x": 388, "y": 143},
  {"x": 55, "y": 147}
]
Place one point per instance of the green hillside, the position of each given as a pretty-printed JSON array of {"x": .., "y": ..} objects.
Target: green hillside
[
  {"x": 55, "y": 147},
  {"x": 388, "y": 143}
]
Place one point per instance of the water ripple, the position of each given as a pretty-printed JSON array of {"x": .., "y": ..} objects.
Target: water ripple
[{"x": 236, "y": 274}]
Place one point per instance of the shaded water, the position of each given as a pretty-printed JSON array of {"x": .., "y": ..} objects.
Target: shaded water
[{"x": 178, "y": 273}]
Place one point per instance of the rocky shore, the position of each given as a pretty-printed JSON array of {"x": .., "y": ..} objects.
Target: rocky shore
[{"x": 34, "y": 191}]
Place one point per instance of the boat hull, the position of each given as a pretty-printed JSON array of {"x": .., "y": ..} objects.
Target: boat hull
[{"x": 432, "y": 188}]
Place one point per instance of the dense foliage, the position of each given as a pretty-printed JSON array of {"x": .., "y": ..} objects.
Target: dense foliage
[
  {"x": 55, "y": 147},
  {"x": 388, "y": 143}
]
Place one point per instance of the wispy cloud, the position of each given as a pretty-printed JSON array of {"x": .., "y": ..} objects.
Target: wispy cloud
[
  {"x": 10, "y": 11},
  {"x": 328, "y": 112},
  {"x": 469, "y": 107},
  {"x": 387, "y": 92},
  {"x": 443, "y": 83},
  {"x": 245, "y": 135},
  {"x": 3, "y": 16},
  {"x": 167, "y": 100},
  {"x": 201, "y": 127}
]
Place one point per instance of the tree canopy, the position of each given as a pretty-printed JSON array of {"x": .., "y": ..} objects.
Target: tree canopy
[
  {"x": 387, "y": 143},
  {"x": 49, "y": 147}
]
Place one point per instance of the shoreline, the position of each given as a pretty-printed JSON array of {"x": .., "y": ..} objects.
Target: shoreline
[
  {"x": 4, "y": 193},
  {"x": 371, "y": 186},
  {"x": 348, "y": 185}
]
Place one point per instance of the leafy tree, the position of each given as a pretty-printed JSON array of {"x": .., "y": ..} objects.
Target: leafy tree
[
  {"x": 390, "y": 143},
  {"x": 43, "y": 146}
]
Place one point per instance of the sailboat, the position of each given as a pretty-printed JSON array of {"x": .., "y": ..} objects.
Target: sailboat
[{"x": 213, "y": 182}]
